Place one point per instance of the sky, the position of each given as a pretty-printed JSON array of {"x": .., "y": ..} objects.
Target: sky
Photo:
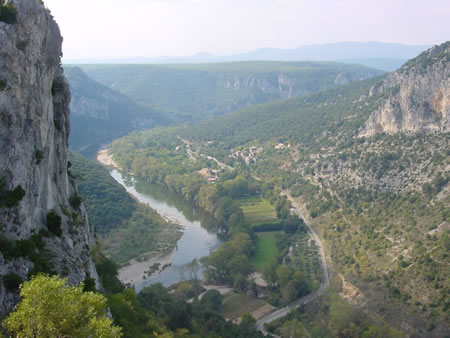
[{"x": 107, "y": 29}]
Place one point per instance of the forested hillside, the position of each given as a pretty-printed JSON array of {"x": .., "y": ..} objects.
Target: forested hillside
[
  {"x": 380, "y": 202},
  {"x": 100, "y": 114},
  {"x": 203, "y": 91}
]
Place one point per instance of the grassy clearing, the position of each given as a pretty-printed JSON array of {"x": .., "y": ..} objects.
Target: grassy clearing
[
  {"x": 266, "y": 248},
  {"x": 236, "y": 305},
  {"x": 258, "y": 211}
]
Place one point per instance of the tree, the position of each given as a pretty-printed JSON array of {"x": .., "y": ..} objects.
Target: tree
[
  {"x": 294, "y": 328},
  {"x": 50, "y": 308},
  {"x": 284, "y": 274},
  {"x": 269, "y": 271},
  {"x": 292, "y": 224},
  {"x": 240, "y": 282},
  {"x": 247, "y": 321},
  {"x": 231, "y": 258},
  {"x": 211, "y": 300},
  {"x": 240, "y": 265}
]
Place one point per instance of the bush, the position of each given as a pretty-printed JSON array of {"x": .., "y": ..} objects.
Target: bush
[
  {"x": 14, "y": 196},
  {"x": 10, "y": 198},
  {"x": 24, "y": 248},
  {"x": 39, "y": 155},
  {"x": 12, "y": 281},
  {"x": 41, "y": 265},
  {"x": 54, "y": 223},
  {"x": 89, "y": 285},
  {"x": 267, "y": 227},
  {"x": 6, "y": 247},
  {"x": 430, "y": 327},
  {"x": 8, "y": 13},
  {"x": 75, "y": 201}
]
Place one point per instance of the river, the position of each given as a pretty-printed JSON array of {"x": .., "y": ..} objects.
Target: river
[{"x": 199, "y": 236}]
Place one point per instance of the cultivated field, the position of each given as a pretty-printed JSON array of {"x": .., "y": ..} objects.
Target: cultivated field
[
  {"x": 258, "y": 211},
  {"x": 236, "y": 305}
]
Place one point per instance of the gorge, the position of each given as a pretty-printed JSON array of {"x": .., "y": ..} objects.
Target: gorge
[{"x": 317, "y": 187}]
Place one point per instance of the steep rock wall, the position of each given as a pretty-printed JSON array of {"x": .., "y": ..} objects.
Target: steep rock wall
[
  {"x": 34, "y": 129},
  {"x": 417, "y": 96}
]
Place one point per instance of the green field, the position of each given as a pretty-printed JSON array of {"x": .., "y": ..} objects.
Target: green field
[
  {"x": 266, "y": 249},
  {"x": 236, "y": 305},
  {"x": 258, "y": 211}
]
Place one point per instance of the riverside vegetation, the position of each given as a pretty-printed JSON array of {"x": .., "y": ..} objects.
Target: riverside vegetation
[
  {"x": 127, "y": 229},
  {"x": 380, "y": 202}
]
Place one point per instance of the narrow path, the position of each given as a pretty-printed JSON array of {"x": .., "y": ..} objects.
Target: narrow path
[
  {"x": 191, "y": 153},
  {"x": 220, "y": 164},
  {"x": 188, "y": 149},
  {"x": 308, "y": 298}
]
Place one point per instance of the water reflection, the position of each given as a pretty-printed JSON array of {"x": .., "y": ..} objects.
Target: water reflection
[
  {"x": 199, "y": 236},
  {"x": 161, "y": 194}
]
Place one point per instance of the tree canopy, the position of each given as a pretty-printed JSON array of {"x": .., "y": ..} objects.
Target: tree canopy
[{"x": 51, "y": 308}]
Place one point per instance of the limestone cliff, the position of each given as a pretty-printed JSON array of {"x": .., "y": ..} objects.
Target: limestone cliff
[
  {"x": 280, "y": 85},
  {"x": 417, "y": 96},
  {"x": 34, "y": 130}
]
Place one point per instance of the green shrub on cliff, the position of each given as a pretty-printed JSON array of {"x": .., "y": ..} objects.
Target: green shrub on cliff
[
  {"x": 54, "y": 223},
  {"x": 10, "y": 198},
  {"x": 8, "y": 13}
]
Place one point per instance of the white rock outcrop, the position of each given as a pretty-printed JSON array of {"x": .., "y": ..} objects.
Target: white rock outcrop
[{"x": 417, "y": 96}]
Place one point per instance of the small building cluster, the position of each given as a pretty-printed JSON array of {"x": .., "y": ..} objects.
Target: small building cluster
[
  {"x": 249, "y": 155},
  {"x": 281, "y": 146},
  {"x": 209, "y": 175}
]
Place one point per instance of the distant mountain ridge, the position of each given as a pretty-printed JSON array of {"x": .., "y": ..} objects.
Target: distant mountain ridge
[
  {"x": 203, "y": 91},
  {"x": 385, "y": 56}
]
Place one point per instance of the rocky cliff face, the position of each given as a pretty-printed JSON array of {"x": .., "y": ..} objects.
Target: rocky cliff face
[
  {"x": 34, "y": 129},
  {"x": 418, "y": 96},
  {"x": 282, "y": 86}
]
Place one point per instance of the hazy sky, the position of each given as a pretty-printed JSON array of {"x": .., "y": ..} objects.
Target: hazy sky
[{"x": 131, "y": 28}]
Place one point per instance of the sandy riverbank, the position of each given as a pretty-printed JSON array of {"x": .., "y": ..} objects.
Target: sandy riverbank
[
  {"x": 135, "y": 272},
  {"x": 105, "y": 158}
]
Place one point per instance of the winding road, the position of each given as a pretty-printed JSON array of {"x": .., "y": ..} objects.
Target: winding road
[{"x": 308, "y": 298}]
